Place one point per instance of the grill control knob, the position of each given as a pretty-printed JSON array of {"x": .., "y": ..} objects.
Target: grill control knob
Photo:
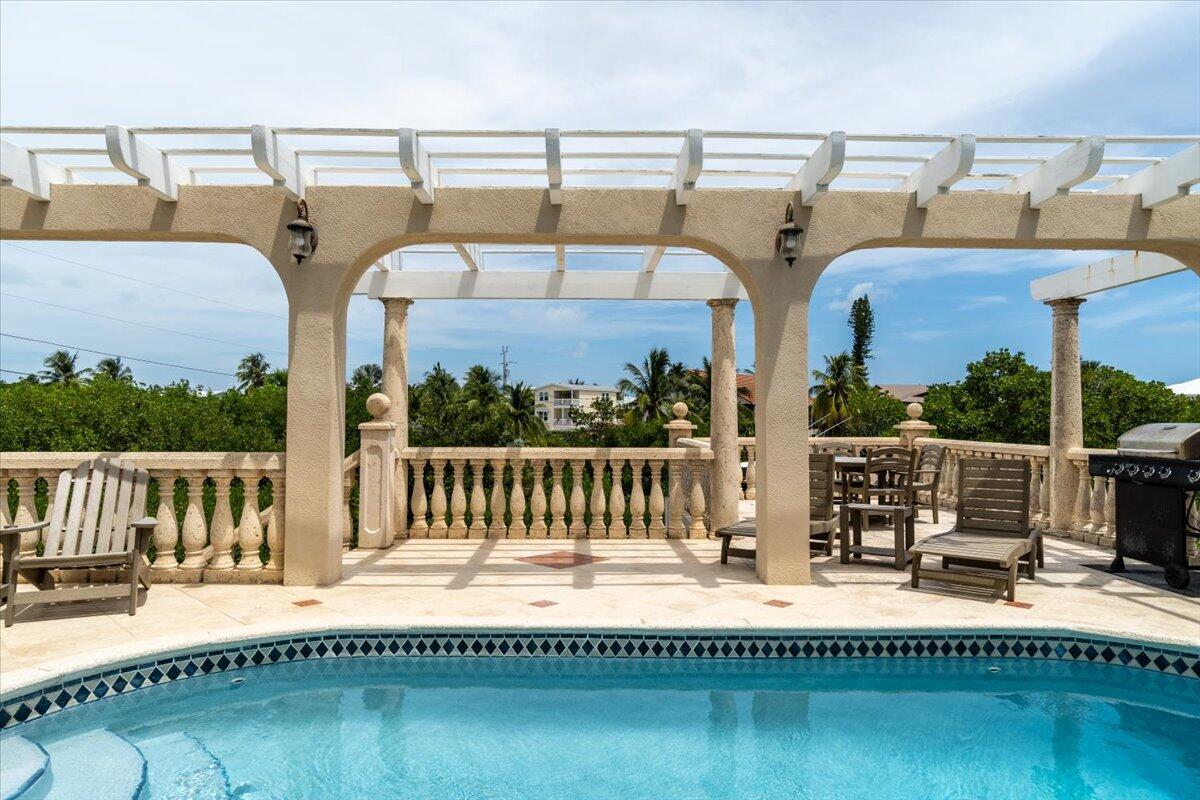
[
  {"x": 1118, "y": 469},
  {"x": 1148, "y": 471},
  {"x": 1194, "y": 476},
  {"x": 1164, "y": 472}
]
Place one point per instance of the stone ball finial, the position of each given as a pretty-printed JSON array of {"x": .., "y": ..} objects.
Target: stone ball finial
[
  {"x": 680, "y": 410},
  {"x": 915, "y": 410},
  {"x": 378, "y": 404}
]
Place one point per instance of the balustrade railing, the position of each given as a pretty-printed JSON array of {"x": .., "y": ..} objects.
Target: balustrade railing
[
  {"x": 1094, "y": 519},
  {"x": 220, "y": 515},
  {"x": 558, "y": 493}
]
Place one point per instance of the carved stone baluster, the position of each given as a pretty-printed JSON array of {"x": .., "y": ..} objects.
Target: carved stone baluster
[
  {"x": 1081, "y": 516},
  {"x": 419, "y": 527},
  {"x": 250, "y": 530},
  {"x": 1108, "y": 537},
  {"x": 558, "y": 501},
  {"x": 221, "y": 532},
  {"x": 458, "y": 501},
  {"x": 26, "y": 510},
  {"x": 516, "y": 501},
  {"x": 637, "y": 501},
  {"x": 537, "y": 501},
  {"x": 616, "y": 502},
  {"x": 1044, "y": 499},
  {"x": 497, "y": 528},
  {"x": 275, "y": 532},
  {"x": 751, "y": 472},
  {"x": 597, "y": 502},
  {"x": 166, "y": 532},
  {"x": 577, "y": 529},
  {"x": 1096, "y": 507},
  {"x": 195, "y": 532},
  {"x": 347, "y": 517},
  {"x": 1035, "y": 494},
  {"x": 696, "y": 502},
  {"x": 478, "y": 528},
  {"x": 437, "y": 504},
  {"x": 675, "y": 503},
  {"x": 658, "y": 504}
]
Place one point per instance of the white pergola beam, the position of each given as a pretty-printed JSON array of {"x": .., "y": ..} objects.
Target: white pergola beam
[
  {"x": 688, "y": 166},
  {"x": 28, "y": 172},
  {"x": 471, "y": 254},
  {"x": 947, "y": 167},
  {"x": 554, "y": 166},
  {"x": 550, "y": 285},
  {"x": 416, "y": 165},
  {"x": 1110, "y": 273},
  {"x": 812, "y": 180},
  {"x": 1163, "y": 182},
  {"x": 1078, "y": 163},
  {"x": 148, "y": 165},
  {"x": 651, "y": 256},
  {"x": 276, "y": 160}
]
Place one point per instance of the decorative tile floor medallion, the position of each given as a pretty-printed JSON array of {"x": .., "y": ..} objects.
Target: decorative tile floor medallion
[
  {"x": 562, "y": 559},
  {"x": 777, "y": 603},
  {"x": 543, "y": 603}
]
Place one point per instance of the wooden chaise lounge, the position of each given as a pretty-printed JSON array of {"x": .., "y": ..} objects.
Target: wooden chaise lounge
[
  {"x": 97, "y": 522},
  {"x": 822, "y": 516},
  {"x": 992, "y": 539}
]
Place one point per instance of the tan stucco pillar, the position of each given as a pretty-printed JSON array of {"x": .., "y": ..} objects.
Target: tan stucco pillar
[
  {"x": 395, "y": 386},
  {"x": 727, "y": 467},
  {"x": 781, "y": 424},
  {"x": 1066, "y": 409},
  {"x": 315, "y": 435}
]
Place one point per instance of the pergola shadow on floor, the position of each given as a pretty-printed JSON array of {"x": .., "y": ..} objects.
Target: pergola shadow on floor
[{"x": 648, "y": 584}]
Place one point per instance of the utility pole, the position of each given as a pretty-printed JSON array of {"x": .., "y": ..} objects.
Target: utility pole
[{"x": 504, "y": 362}]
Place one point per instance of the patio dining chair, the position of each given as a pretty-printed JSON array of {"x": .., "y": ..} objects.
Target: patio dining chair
[
  {"x": 887, "y": 476},
  {"x": 928, "y": 477},
  {"x": 97, "y": 521}
]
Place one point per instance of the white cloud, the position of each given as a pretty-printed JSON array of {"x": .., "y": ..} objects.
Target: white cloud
[
  {"x": 581, "y": 349},
  {"x": 922, "y": 335},
  {"x": 856, "y": 291},
  {"x": 983, "y": 301}
]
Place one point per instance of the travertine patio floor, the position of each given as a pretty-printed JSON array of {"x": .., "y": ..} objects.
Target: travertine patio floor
[{"x": 661, "y": 584}]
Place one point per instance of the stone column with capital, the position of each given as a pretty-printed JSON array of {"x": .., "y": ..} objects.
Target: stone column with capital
[
  {"x": 723, "y": 418},
  {"x": 1066, "y": 410},
  {"x": 395, "y": 386}
]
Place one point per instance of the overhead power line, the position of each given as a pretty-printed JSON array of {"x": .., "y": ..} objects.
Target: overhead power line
[
  {"x": 116, "y": 355},
  {"x": 144, "y": 282},
  {"x": 140, "y": 324}
]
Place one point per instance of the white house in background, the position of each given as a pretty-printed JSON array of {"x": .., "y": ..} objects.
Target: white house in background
[
  {"x": 554, "y": 401},
  {"x": 1187, "y": 387}
]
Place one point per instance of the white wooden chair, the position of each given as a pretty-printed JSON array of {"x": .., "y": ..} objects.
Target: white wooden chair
[{"x": 97, "y": 521}]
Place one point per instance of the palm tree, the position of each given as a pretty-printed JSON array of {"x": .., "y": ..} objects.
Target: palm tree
[
  {"x": 278, "y": 377},
  {"x": 649, "y": 384},
  {"x": 367, "y": 376},
  {"x": 522, "y": 414},
  {"x": 481, "y": 388},
  {"x": 252, "y": 372},
  {"x": 834, "y": 387},
  {"x": 440, "y": 386},
  {"x": 113, "y": 369},
  {"x": 61, "y": 369}
]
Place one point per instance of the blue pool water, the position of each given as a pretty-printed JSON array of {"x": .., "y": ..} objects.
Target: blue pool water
[{"x": 675, "y": 728}]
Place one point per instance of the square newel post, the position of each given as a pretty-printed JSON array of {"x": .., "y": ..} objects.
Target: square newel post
[
  {"x": 1066, "y": 410},
  {"x": 726, "y": 482},
  {"x": 376, "y": 476},
  {"x": 914, "y": 427}
]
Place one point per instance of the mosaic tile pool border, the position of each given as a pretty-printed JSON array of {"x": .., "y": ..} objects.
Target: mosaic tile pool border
[{"x": 79, "y": 690}]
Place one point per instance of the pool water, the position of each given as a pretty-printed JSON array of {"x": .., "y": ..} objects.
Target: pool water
[{"x": 630, "y": 728}]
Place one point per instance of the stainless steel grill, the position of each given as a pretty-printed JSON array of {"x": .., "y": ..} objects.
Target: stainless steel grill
[{"x": 1162, "y": 440}]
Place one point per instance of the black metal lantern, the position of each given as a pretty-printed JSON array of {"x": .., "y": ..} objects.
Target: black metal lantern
[
  {"x": 303, "y": 234},
  {"x": 787, "y": 241}
]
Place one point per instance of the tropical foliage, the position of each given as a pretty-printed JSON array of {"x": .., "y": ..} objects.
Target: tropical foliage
[{"x": 833, "y": 389}]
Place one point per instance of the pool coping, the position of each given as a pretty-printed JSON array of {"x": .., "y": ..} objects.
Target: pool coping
[{"x": 91, "y": 678}]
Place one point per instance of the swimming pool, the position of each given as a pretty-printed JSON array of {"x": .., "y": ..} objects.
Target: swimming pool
[{"x": 448, "y": 722}]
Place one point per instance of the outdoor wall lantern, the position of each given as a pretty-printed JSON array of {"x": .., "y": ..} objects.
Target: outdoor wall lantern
[
  {"x": 787, "y": 241},
  {"x": 303, "y": 233}
]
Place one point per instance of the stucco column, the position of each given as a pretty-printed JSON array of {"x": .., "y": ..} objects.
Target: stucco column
[
  {"x": 395, "y": 386},
  {"x": 781, "y": 426},
  {"x": 1066, "y": 409},
  {"x": 723, "y": 431},
  {"x": 315, "y": 434}
]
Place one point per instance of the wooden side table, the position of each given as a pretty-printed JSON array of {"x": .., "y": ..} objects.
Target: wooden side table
[{"x": 903, "y": 523}]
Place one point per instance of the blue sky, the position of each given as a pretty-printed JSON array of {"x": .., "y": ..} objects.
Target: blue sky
[{"x": 1108, "y": 68}]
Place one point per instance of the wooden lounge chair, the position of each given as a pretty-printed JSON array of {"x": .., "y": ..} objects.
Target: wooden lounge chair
[
  {"x": 992, "y": 538},
  {"x": 822, "y": 516},
  {"x": 928, "y": 476},
  {"x": 97, "y": 522}
]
